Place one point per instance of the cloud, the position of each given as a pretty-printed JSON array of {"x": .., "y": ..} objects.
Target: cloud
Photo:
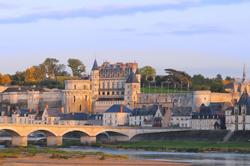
[
  {"x": 201, "y": 29},
  {"x": 111, "y": 10},
  {"x": 8, "y": 6}
]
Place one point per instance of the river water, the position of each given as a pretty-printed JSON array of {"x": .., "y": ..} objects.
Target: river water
[{"x": 194, "y": 159}]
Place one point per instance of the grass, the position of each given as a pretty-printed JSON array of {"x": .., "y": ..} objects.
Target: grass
[
  {"x": 162, "y": 90},
  {"x": 53, "y": 152},
  {"x": 185, "y": 146}
]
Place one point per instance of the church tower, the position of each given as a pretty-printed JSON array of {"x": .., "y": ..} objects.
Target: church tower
[
  {"x": 132, "y": 90},
  {"x": 244, "y": 74},
  {"x": 95, "y": 77}
]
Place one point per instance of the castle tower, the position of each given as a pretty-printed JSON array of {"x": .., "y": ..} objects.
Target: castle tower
[
  {"x": 132, "y": 90},
  {"x": 138, "y": 75},
  {"x": 95, "y": 80}
]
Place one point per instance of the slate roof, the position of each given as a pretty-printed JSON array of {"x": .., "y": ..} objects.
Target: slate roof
[
  {"x": 95, "y": 116},
  {"x": 75, "y": 116},
  {"x": 54, "y": 112},
  {"x": 132, "y": 78},
  {"x": 116, "y": 108},
  {"x": 26, "y": 112},
  {"x": 244, "y": 101},
  {"x": 151, "y": 110},
  {"x": 182, "y": 111},
  {"x": 95, "y": 65},
  {"x": 21, "y": 89}
]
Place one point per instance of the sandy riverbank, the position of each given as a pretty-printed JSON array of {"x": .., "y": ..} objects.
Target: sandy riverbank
[{"x": 45, "y": 160}]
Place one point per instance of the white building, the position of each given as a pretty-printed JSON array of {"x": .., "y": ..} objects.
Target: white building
[
  {"x": 238, "y": 117},
  {"x": 117, "y": 115},
  {"x": 150, "y": 117},
  {"x": 181, "y": 117}
]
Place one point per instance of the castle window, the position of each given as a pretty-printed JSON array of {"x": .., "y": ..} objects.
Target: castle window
[
  {"x": 74, "y": 99},
  {"x": 75, "y": 86},
  {"x": 108, "y": 93},
  {"x": 103, "y": 93},
  {"x": 80, "y": 108},
  {"x": 86, "y": 97},
  {"x": 113, "y": 93}
]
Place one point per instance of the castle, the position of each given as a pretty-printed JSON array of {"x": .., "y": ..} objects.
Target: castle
[{"x": 108, "y": 84}]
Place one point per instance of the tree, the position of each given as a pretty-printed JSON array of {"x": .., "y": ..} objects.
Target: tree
[
  {"x": 180, "y": 77},
  {"x": 34, "y": 75},
  {"x": 52, "y": 68},
  {"x": 18, "y": 78},
  {"x": 5, "y": 79},
  {"x": 77, "y": 67},
  {"x": 217, "y": 84},
  {"x": 148, "y": 73}
]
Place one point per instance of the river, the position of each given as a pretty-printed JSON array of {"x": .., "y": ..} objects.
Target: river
[{"x": 194, "y": 159}]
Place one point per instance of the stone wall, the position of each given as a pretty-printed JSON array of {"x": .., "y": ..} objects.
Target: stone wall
[{"x": 167, "y": 100}]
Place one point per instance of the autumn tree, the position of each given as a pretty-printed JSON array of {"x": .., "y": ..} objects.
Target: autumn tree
[
  {"x": 34, "y": 75},
  {"x": 77, "y": 67},
  {"x": 5, "y": 79}
]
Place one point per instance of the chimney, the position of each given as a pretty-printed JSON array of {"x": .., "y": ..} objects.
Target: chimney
[
  {"x": 62, "y": 110},
  {"x": 121, "y": 108},
  {"x": 47, "y": 107}
]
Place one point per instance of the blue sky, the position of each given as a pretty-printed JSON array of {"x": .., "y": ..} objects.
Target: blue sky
[{"x": 198, "y": 36}]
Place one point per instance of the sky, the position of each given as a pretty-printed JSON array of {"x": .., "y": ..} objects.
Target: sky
[{"x": 197, "y": 36}]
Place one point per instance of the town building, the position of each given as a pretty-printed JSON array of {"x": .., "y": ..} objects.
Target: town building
[
  {"x": 208, "y": 118},
  {"x": 181, "y": 117},
  {"x": 152, "y": 116},
  {"x": 74, "y": 119},
  {"x": 117, "y": 115},
  {"x": 238, "y": 117}
]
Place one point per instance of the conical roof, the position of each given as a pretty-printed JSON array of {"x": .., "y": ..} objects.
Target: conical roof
[
  {"x": 132, "y": 78},
  {"x": 95, "y": 65}
]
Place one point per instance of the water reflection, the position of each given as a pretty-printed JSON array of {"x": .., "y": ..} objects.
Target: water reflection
[{"x": 194, "y": 159}]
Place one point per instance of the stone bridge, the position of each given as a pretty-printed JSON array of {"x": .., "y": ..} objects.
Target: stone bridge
[{"x": 55, "y": 133}]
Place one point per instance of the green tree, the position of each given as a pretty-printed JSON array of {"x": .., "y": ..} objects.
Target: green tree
[
  {"x": 52, "y": 68},
  {"x": 179, "y": 77},
  {"x": 18, "y": 78},
  {"x": 148, "y": 73},
  {"x": 77, "y": 67},
  {"x": 217, "y": 84}
]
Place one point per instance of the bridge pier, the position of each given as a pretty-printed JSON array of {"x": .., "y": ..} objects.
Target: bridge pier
[
  {"x": 19, "y": 141},
  {"x": 88, "y": 139},
  {"x": 54, "y": 141}
]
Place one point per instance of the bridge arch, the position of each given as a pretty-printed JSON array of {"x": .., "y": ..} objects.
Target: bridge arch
[
  {"x": 48, "y": 132},
  {"x": 11, "y": 131},
  {"x": 111, "y": 136}
]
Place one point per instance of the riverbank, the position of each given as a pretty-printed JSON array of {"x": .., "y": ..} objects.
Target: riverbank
[
  {"x": 182, "y": 146},
  {"x": 32, "y": 156},
  {"x": 43, "y": 160}
]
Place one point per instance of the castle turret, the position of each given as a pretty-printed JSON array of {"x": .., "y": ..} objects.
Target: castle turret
[
  {"x": 132, "y": 90},
  {"x": 95, "y": 77}
]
